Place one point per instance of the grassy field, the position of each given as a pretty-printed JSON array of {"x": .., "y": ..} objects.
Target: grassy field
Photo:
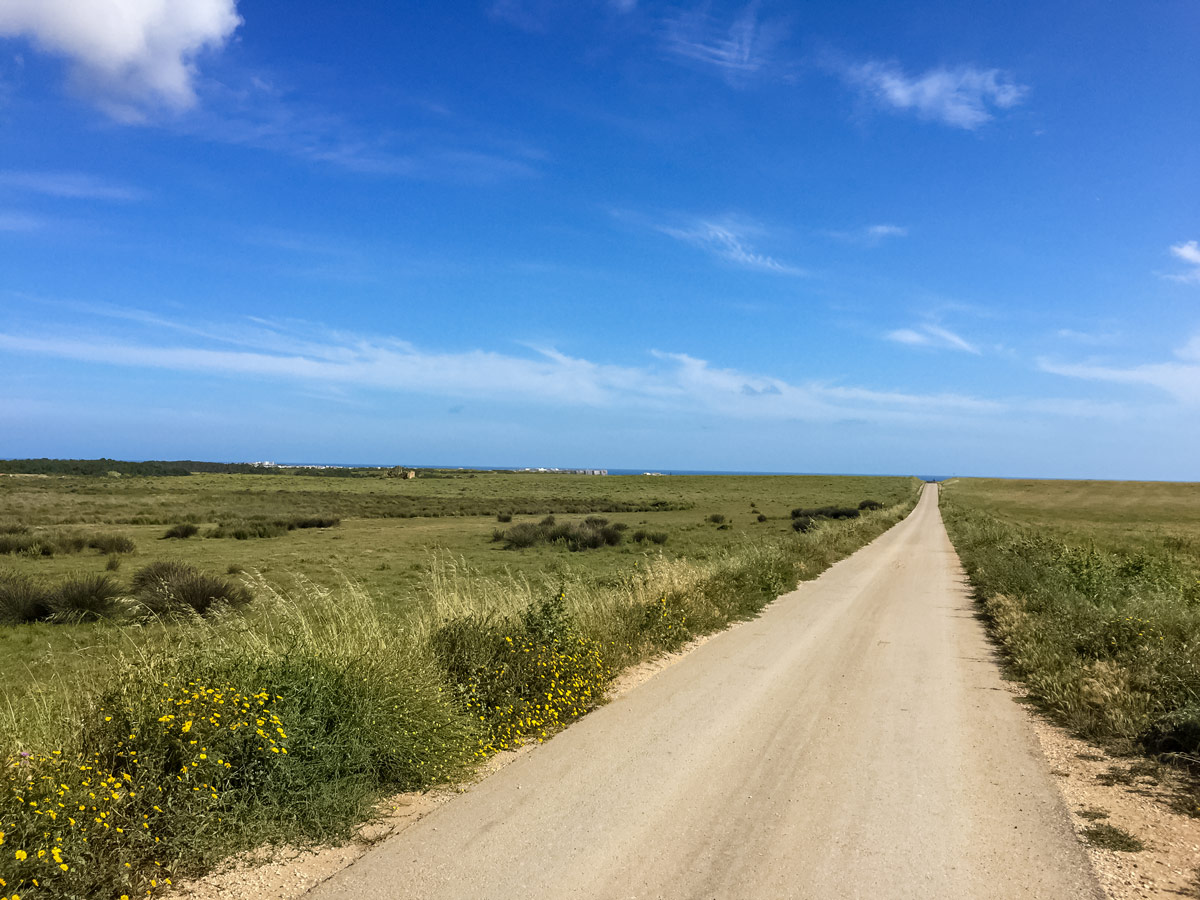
[
  {"x": 1093, "y": 589},
  {"x": 1115, "y": 515},
  {"x": 137, "y": 752},
  {"x": 381, "y": 542}
]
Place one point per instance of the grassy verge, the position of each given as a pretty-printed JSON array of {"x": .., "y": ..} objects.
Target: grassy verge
[
  {"x": 1106, "y": 638},
  {"x": 223, "y": 735}
]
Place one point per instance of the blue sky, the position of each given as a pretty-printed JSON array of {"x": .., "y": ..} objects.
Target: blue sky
[{"x": 855, "y": 237}]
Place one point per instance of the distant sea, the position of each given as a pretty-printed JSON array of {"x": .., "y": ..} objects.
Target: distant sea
[{"x": 610, "y": 471}]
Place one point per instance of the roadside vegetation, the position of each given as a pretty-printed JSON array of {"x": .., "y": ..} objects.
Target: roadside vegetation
[
  {"x": 1099, "y": 616},
  {"x": 282, "y": 713}
]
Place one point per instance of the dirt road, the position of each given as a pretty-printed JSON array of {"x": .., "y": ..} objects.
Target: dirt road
[{"x": 854, "y": 741}]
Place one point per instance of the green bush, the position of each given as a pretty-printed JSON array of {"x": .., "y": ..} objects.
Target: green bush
[
  {"x": 22, "y": 600},
  {"x": 503, "y": 517},
  {"x": 181, "y": 531},
  {"x": 870, "y": 506},
  {"x": 716, "y": 518},
  {"x": 84, "y": 598},
  {"x": 111, "y": 543},
  {"x": 171, "y": 589}
]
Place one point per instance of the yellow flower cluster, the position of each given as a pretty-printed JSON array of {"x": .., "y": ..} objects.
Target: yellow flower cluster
[
  {"x": 560, "y": 682},
  {"x": 59, "y": 813}
]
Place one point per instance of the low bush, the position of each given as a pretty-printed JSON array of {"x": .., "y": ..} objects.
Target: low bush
[
  {"x": 108, "y": 543},
  {"x": 803, "y": 523},
  {"x": 84, "y": 598},
  {"x": 181, "y": 531},
  {"x": 244, "y": 531},
  {"x": 716, "y": 518},
  {"x": 761, "y": 518},
  {"x": 113, "y": 563},
  {"x": 170, "y": 589},
  {"x": 22, "y": 600},
  {"x": 503, "y": 517},
  {"x": 592, "y": 533},
  {"x": 826, "y": 512},
  {"x": 655, "y": 537},
  {"x": 870, "y": 506}
]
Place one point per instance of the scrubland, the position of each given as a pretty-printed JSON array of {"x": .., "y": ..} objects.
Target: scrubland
[{"x": 337, "y": 663}]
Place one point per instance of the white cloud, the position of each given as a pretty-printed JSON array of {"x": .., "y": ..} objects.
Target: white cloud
[
  {"x": 740, "y": 48},
  {"x": 729, "y": 239},
  {"x": 69, "y": 185},
  {"x": 1179, "y": 378},
  {"x": 885, "y": 231},
  {"x": 932, "y": 335},
  {"x": 1189, "y": 252},
  {"x": 128, "y": 54},
  {"x": 307, "y": 357},
  {"x": 964, "y": 97}
]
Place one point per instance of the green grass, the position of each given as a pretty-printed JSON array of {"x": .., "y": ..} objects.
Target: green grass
[
  {"x": 368, "y": 691},
  {"x": 388, "y": 555},
  {"x": 1093, "y": 589}
]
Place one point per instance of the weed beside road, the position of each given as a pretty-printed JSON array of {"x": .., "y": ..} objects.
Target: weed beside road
[{"x": 1107, "y": 637}]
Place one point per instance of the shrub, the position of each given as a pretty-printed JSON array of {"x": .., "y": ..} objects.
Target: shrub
[
  {"x": 111, "y": 543},
  {"x": 586, "y": 535},
  {"x": 21, "y": 599},
  {"x": 761, "y": 517},
  {"x": 826, "y": 512},
  {"x": 113, "y": 563},
  {"x": 246, "y": 530},
  {"x": 17, "y": 542},
  {"x": 310, "y": 522},
  {"x": 503, "y": 517},
  {"x": 14, "y": 528},
  {"x": 549, "y": 520},
  {"x": 84, "y": 598},
  {"x": 170, "y": 588},
  {"x": 870, "y": 505},
  {"x": 716, "y": 518},
  {"x": 803, "y": 523},
  {"x": 657, "y": 537},
  {"x": 180, "y": 531}
]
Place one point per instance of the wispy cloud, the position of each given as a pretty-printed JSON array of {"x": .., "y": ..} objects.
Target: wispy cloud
[
  {"x": 68, "y": 185},
  {"x": 1189, "y": 252},
  {"x": 738, "y": 48},
  {"x": 127, "y": 55},
  {"x": 307, "y": 356},
  {"x": 438, "y": 146},
  {"x": 1179, "y": 377},
  {"x": 932, "y": 335},
  {"x": 729, "y": 239},
  {"x": 19, "y": 221},
  {"x": 1086, "y": 337},
  {"x": 870, "y": 235},
  {"x": 963, "y": 97}
]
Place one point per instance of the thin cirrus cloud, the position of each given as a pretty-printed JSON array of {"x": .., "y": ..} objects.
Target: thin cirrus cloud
[
  {"x": 729, "y": 239},
  {"x": 66, "y": 185},
  {"x": 932, "y": 335},
  {"x": 1179, "y": 377},
  {"x": 1188, "y": 252},
  {"x": 963, "y": 97},
  {"x": 667, "y": 382},
  {"x": 737, "y": 48},
  {"x": 128, "y": 55}
]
